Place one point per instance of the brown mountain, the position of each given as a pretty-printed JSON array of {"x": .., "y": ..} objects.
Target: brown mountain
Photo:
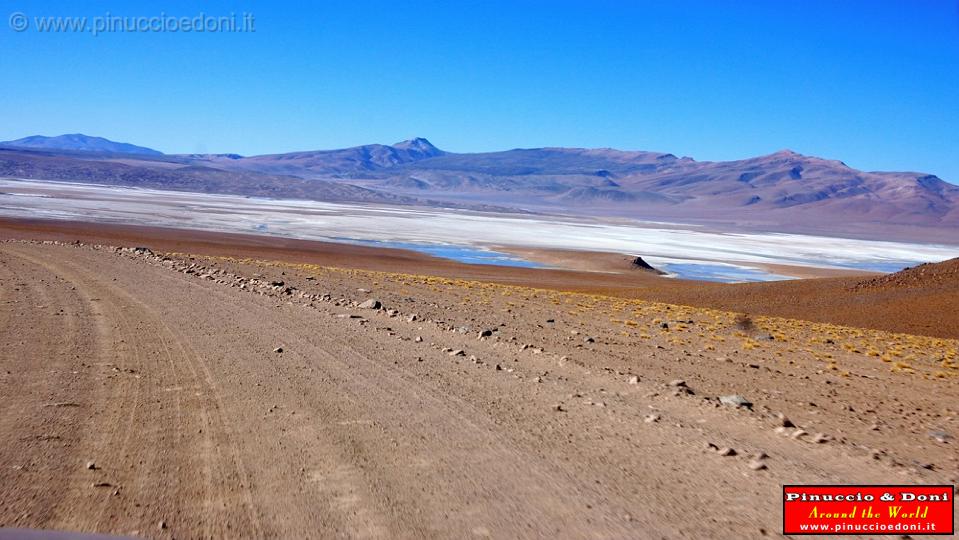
[{"x": 784, "y": 191}]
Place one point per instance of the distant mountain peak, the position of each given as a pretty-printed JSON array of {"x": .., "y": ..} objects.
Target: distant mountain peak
[
  {"x": 787, "y": 153},
  {"x": 419, "y": 143},
  {"x": 78, "y": 142}
]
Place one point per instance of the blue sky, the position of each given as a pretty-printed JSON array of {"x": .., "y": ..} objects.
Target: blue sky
[{"x": 873, "y": 83}]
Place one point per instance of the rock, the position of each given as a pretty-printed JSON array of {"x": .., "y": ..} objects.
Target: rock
[
  {"x": 486, "y": 333},
  {"x": 798, "y": 434},
  {"x": 634, "y": 379},
  {"x": 278, "y": 350},
  {"x": 940, "y": 436},
  {"x": 757, "y": 465},
  {"x": 735, "y": 400},
  {"x": 276, "y": 283},
  {"x": 821, "y": 438},
  {"x": 589, "y": 340},
  {"x": 457, "y": 352},
  {"x": 412, "y": 318},
  {"x": 499, "y": 367},
  {"x": 559, "y": 408},
  {"x": 783, "y": 421},
  {"x": 664, "y": 325},
  {"x": 162, "y": 525},
  {"x": 371, "y": 304},
  {"x": 679, "y": 383},
  {"x": 651, "y": 418},
  {"x": 726, "y": 451},
  {"x": 91, "y": 465}
]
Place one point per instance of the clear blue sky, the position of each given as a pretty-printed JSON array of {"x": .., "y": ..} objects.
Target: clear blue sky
[{"x": 873, "y": 83}]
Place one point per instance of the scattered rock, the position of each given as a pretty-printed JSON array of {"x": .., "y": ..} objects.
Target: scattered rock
[
  {"x": 679, "y": 383},
  {"x": 821, "y": 438},
  {"x": 91, "y": 466},
  {"x": 757, "y": 465},
  {"x": 651, "y": 418},
  {"x": 486, "y": 333},
  {"x": 162, "y": 525},
  {"x": 412, "y": 318},
  {"x": 783, "y": 421},
  {"x": 664, "y": 325},
  {"x": 457, "y": 352},
  {"x": 589, "y": 340},
  {"x": 278, "y": 350},
  {"x": 634, "y": 379},
  {"x": 726, "y": 451},
  {"x": 418, "y": 339},
  {"x": 735, "y": 400}
]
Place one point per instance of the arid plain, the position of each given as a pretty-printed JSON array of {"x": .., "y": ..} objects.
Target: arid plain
[{"x": 225, "y": 386}]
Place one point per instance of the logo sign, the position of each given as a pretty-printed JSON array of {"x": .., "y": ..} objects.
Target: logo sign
[{"x": 868, "y": 510}]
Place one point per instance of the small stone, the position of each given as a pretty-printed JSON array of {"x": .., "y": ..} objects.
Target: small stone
[
  {"x": 634, "y": 379},
  {"x": 798, "y": 434},
  {"x": 457, "y": 352},
  {"x": 412, "y": 318},
  {"x": 589, "y": 340},
  {"x": 940, "y": 436},
  {"x": 783, "y": 421},
  {"x": 371, "y": 304},
  {"x": 821, "y": 438},
  {"x": 558, "y": 408},
  {"x": 278, "y": 350},
  {"x": 418, "y": 339},
  {"x": 757, "y": 465},
  {"x": 677, "y": 383},
  {"x": 664, "y": 325},
  {"x": 486, "y": 333},
  {"x": 91, "y": 465},
  {"x": 162, "y": 525},
  {"x": 726, "y": 451},
  {"x": 651, "y": 418},
  {"x": 735, "y": 400}
]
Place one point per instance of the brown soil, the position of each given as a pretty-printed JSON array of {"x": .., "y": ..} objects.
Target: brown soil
[{"x": 213, "y": 398}]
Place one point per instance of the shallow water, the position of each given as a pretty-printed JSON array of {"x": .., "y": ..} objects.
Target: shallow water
[
  {"x": 463, "y": 254},
  {"x": 720, "y": 273}
]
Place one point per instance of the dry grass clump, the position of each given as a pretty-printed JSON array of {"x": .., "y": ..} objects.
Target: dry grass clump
[{"x": 744, "y": 322}]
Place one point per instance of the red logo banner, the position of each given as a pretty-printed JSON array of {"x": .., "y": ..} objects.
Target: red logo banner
[{"x": 868, "y": 510}]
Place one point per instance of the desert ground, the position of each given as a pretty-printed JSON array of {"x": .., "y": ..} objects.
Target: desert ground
[{"x": 224, "y": 386}]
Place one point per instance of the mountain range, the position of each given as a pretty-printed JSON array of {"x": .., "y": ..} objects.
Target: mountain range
[{"x": 784, "y": 191}]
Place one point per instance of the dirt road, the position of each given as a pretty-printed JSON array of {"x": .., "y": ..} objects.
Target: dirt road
[{"x": 139, "y": 399}]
